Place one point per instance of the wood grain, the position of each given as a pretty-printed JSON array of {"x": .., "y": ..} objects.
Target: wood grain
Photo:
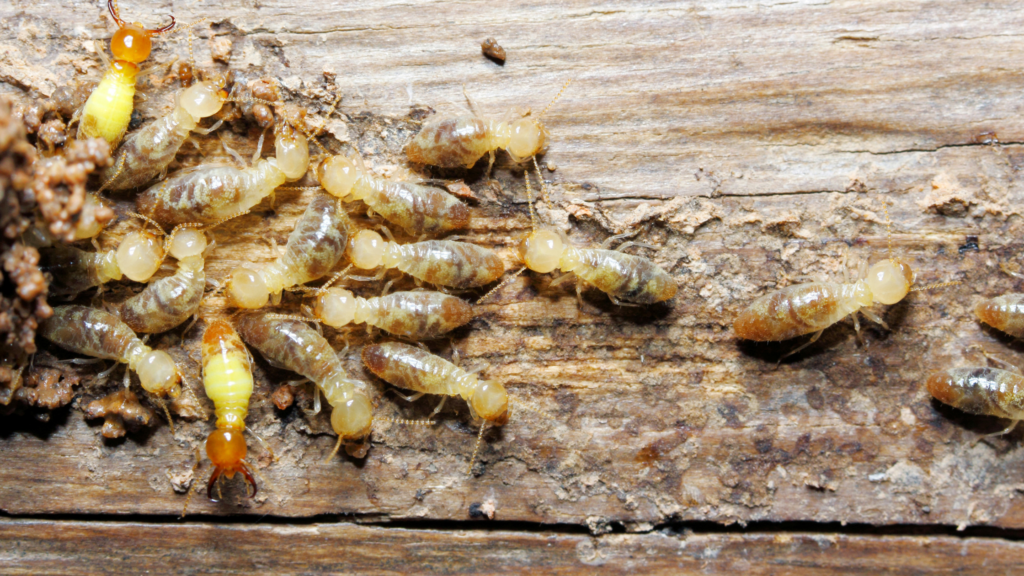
[{"x": 751, "y": 142}]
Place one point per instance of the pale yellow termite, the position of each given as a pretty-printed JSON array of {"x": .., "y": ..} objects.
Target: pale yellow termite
[
  {"x": 108, "y": 110},
  {"x": 439, "y": 262},
  {"x": 167, "y": 302}
]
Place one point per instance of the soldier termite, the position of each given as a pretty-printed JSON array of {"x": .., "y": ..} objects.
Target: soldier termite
[
  {"x": 109, "y": 108},
  {"x": 210, "y": 193},
  {"x": 416, "y": 208},
  {"x": 440, "y": 262},
  {"x": 167, "y": 302},
  {"x": 99, "y": 334},
  {"x": 985, "y": 391},
  {"x": 418, "y": 315},
  {"x": 314, "y": 247},
  {"x": 293, "y": 345},
  {"x": 814, "y": 306},
  {"x": 416, "y": 369},
  {"x": 461, "y": 141},
  {"x": 626, "y": 279}
]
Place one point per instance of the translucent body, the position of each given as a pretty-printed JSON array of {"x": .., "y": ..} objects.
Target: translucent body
[
  {"x": 150, "y": 150},
  {"x": 440, "y": 262},
  {"x": 299, "y": 348},
  {"x": 413, "y": 315},
  {"x": 99, "y": 334},
  {"x": 417, "y": 209},
  {"x": 812, "y": 307},
  {"x": 1004, "y": 313},
  {"x": 622, "y": 276},
  {"x": 986, "y": 391},
  {"x": 314, "y": 247},
  {"x": 416, "y": 369},
  {"x": 461, "y": 141},
  {"x": 167, "y": 302},
  {"x": 108, "y": 110},
  {"x": 138, "y": 257}
]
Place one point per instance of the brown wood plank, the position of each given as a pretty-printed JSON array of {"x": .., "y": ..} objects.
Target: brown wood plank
[{"x": 756, "y": 139}]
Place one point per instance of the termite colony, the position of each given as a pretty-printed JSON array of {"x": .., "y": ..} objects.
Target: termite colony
[{"x": 112, "y": 297}]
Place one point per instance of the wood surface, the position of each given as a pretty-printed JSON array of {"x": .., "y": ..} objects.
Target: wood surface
[{"x": 752, "y": 143}]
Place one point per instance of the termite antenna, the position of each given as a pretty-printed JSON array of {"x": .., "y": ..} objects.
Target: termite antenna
[
  {"x": 529, "y": 201},
  {"x": 543, "y": 185},
  {"x": 888, "y": 230},
  {"x": 337, "y": 446},
  {"x": 191, "y": 53},
  {"x": 167, "y": 412},
  {"x": 117, "y": 173},
  {"x": 192, "y": 490},
  {"x": 408, "y": 422},
  {"x": 555, "y": 99},
  {"x": 479, "y": 440},
  {"x": 297, "y": 317},
  {"x": 333, "y": 279},
  {"x": 501, "y": 285},
  {"x": 148, "y": 220},
  {"x": 273, "y": 457},
  {"x": 936, "y": 285}
]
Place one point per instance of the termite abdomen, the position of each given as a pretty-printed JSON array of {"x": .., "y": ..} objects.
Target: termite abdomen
[
  {"x": 1004, "y": 313},
  {"x": 985, "y": 391}
]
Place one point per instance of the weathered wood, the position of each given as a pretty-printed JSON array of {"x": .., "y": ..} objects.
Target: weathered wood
[
  {"x": 44, "y": 547},
  {"x": 751, "y": 142}
]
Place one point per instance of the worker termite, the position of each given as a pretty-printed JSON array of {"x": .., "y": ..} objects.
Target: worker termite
[
  {"x": 314, "y": 247},
  {"x": 626, "y": 279},
  {"x": 814, "y": 306},
  {"x": 416, "y": 369},
  {"x": 210, "y": 193},
  {"x": 1004, "y": 312},
  {"x": 293, "y": 345},
  {"x": 416, "y": 208},
  {"x": 984, "y": 391},
  {"x": 99, "y": 334},
  {"x": 167, "y": 302},
  {"x": 461, "y": 141},
  {"x": 440, "y": 262},
  {"x": 109, "y": 108},
  {"x": 419, "y": 315}
]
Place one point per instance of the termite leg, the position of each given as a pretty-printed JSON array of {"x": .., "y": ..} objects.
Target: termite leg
[
  {"x": 874, "y": 317},
  {"x": 209, "y": 486},
  {"x": 195, "y": 484},
  {"x": 440, "y": 405},
  {"x": 263, "y": 443},
  {"x": 410, "y": 399},
  {"x": 1006, "y": 430},
  {"x": 1006, "y": 365},
  {"x": 618, "y": 302},
  {"x": 1006, "y": 270},
  {"x": 813, "y": 339},
  {"x": 206, "y": 131}
]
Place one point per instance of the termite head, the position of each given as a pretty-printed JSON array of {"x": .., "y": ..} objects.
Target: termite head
[
  {"x": 352, "y": 417},
  {"x": 139, "y": 256},
  {"x": 490, "y": 402},
  {"x": 889, "y": 281},
  {"x": 366, "y": 249},
  {"x": 131, "y": 42},
  {"x": 187, "y": 243},
  {"x": 226, "y": 449},
  {"x": 246, "y": 289},
  {"x": 202, "y": 99},
  {"x": 338, "y": 175},
  {"x": 336, "y": 307},
  {"x": 541, "y": 251},
  {"x": 528, "y": 137},
  {"x": 292, "y": 152},
  {"x": 158, "y": 374}
]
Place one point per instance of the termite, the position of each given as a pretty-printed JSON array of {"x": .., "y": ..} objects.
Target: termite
[
  {"x": 314, "y": 247},
  {"x": 1004, "y": 312},
  {"x": 418, "y": 315},
  {"x": 99, "y": 334},
  {"x": 439, "y": 262},
  {"x": 461, "y": 141},
  {"x": 984, "y": 391},
  {"x": 168, "y": 302},
  {"x": 626, "y": 279},
  {"x": 210, "y": 193},
  {"x": 812, "y": 307},
  {"x": 416, "y": 208},
  {"x": 292, "y": 344},
  {"x": 416, "y": 369},
  {"x": 108, "y": 110}
]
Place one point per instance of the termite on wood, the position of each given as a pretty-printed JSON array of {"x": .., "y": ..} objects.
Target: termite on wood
[
  {"x": 292, "y": 344},
  {"x": 812, "y": 307},
  {"x": 314, "y": 247},
  {"x": 439, "y": 262},
  {"x": 625, "y": 278},
  {"x": 99, "y": 334},
  {"x": 984, "y": 391},
  {"x": 167, "y": 302},
  {"x": 108, "y": 110},
  {"x": 461, "y": 141},
  {"x": 1006, "y": 312}
]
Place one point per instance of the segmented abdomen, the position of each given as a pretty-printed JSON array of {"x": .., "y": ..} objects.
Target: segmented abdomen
[
  {"x": 447, "y": 263},
  {"x": 1004, "y": 312},
  {"x": 167, "y": 302},
  {"x": 108, "y": 110},
  {"x": 419, "y": 315},
  {"x": 227, "y": 375},
  {"x": 795, "y": 310},
  {"x": 316, "y": 244},
  {"x": 986, "y": 391},
  {"x": 73, "y": 270},
  {"x": 148, "y": 151},
  {"x": 416, "y": 208},
  {"x": 291, "y": 344},
  {"x": 451, "y": 142},
  {"x": 89, "y": 331},
  {"x": 412, "y": 368},
  {"x": 624, "y": 276}
]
